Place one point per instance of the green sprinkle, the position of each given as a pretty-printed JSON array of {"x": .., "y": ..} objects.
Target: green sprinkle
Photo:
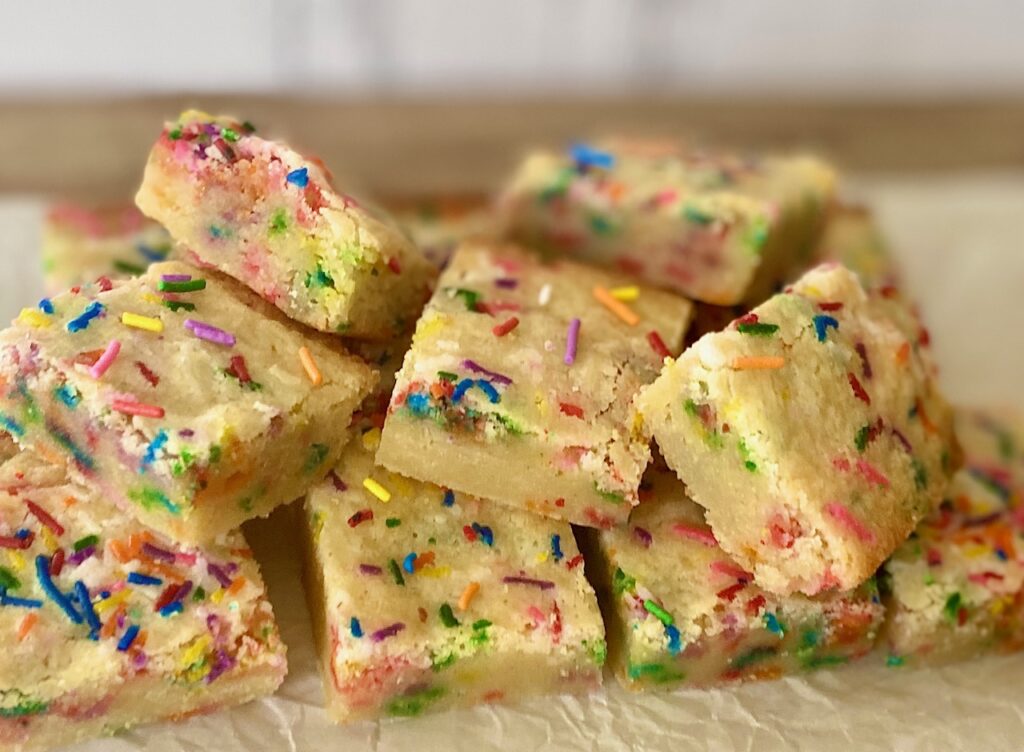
[
  {"x": 920, "y": 474},
  {"x": 439, "y": 664},
  {"x": 469, "y": 297},
  {"x": 695, "y": 215},
  {"x": 610, "y": 496},
  {"x": 861, "y": 439},
  {"x": 317, "y": 455},
  {"x": 481, "y": 624},
  {"x": 396, "y": 572},
  {"x": 447, "y": 376},
  {"x": 8, "y": 580},
  {"x": 952, "y": 607},
  {"x": 319, "y": 278},
  {"x": 745, "y": 453},
  {"x": 89, "y": 540},
  {"x": 691, "y": 408},
  {"x": 755, "y": 655},
  {"x": 598, "y": 651},
  {"x": 820, "y": 661},
  {"x": 392, "y": 522},
  {"x": 278, "y": 222},
  {"x": 654, "y": 609},
  {"x": 654, "y": 672},
  {"x": 414, "y": 704},
  {"x": 601, "y": 225},
  {"x": 894, "y": 661},
  {"x": 124, "y": 267},
  {"x": 198, "y": 594},
  {"x": 151, "y": 497},
  {"x": 175, "y": 134},
  {"x": 177, "y": 305},
  {"x": 191, "y": 285},
  {"x": 758, "y": 329},
  {"x": 229, "y": 135},
  {"x": 215, "y": 453},
  {"x": 757, "y": 234},
  {"x": 622, "y": 582},
  {"x": 447, "y": 617},
  {"x": 23, "y": 708}
]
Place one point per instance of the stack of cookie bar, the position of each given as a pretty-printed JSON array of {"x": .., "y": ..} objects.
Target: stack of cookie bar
[{"x": 475, "y": 445}]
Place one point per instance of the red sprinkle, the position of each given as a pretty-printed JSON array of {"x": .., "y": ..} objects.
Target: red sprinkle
[
  {"x": 363, "y": 515},
  {"x": 168, "y": 596},
  {"x": 239, "y": 370},
  {"x": 44, "y": 517},
  {"x": 13, "y": 541},
  {"x": 870, "y": 472},
  {"x": 575, "y": 561},
  {"x": 830, "y": 306},
  {"x": 137, "y": 408},
  {"x": 57, "y": 562},
  {"x": 754, "y": 604},
  {"x": 658, "y": 344},
  {"x": 847, "y": 519},
  {"x": 394, "y": 266},
  {"x": 571, "y": 410},
  {"x": 729, "y": 593},
  {"x": 858, "y": 390},
  {"x": 147, "y": 374},
  {"x": 469, "y": 532},
  {"x": 505, "y": 327}
]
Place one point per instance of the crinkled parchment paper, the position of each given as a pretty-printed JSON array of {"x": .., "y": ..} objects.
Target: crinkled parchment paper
[{"x": 961, "y": 249}]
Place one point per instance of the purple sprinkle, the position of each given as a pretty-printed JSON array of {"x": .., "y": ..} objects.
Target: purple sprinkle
[
  {"x": 370, "y": 569},
  {"x": 140, "y": 660},
  {"x": 570, "y": 341},
  {"x": 507, "y": 282},
  {"x": 175, "y": 277},
  {"x": 186, "y": 433},
  {"x": 475, "y": 367},
  {"x": 158, "y": 553},
  {"x": 382, "y": 634},
  {"x": 217, "y": 572},
  {"x": 542, "y": 584},
  {"x": 79, "y": 556},
  {"x": 222, "y": 662},
  {"x": 643, "y": 536},
  {"x": 210, "y": 333},
  {"x": 903, "y": 440},
  {"x": 339, "y": 484}
]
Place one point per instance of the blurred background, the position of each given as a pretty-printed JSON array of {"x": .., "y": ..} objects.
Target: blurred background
[{"x": 921, "y": 104}]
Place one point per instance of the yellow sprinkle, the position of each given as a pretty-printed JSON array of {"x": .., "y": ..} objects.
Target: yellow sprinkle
[
  {"x": 195, "y": 651},
  {"x": 371, "y": 440},
  {"x": 632, "y": 292},
  {"x": 113, "y": 601},
  {"x": 32, "y": 317},
  {"x": 435, "y": 572},
  {"x": 377, "y": 489},
  {"x": 49, "y": 539},
  {"x": 618, "y": 308},
  {"x": 973, "y": 551},
  {"x": 148, "y": 323},
  {"x": 16, "y": 559},
  {"x": 310, "y": 365},
  {"x": 467, "y": 595},
  {"x": 542, "y": 557},
  {"x": 429, "y": 325},
  {"x": 149, "y": 297},
  {"x": 758, "y": 363},
  {"x": 218, "y": 595}
]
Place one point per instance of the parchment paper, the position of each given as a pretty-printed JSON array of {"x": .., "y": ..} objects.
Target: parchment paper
[{"x": 960, "y": 245}]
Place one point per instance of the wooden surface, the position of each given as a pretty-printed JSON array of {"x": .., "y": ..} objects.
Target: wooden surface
[{"x": 96, "y": 149}]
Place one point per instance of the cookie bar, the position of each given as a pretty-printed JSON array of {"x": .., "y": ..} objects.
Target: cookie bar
[
  {"x": 716, "y": 227},
  {"x": 81, "y": 244},
  {"x": 681, "y": 612},
  {"x": 438, "y": 224},
  {"x": 107, "y": 625},
  {"x": 811, "y": 430},
  {"x": 264, "y": 214},
  {"x": 852, "y": 239},
  {"x": 425, "y": 599},
  {"x": 519, "y": 381},
  {"x": 956, "y": 588},
  {"x": 191, "y": 402}
]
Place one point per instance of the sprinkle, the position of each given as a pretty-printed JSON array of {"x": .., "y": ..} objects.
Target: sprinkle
[
  {"x": 544, "y": 296},
  {"x": 447, "y": 617},
  {"x": 26, "y": 626},
  {"x": 475, "y": 367},
  {"x": 129, "y": 407},
  {"x": 155, "y": 446},
  {"x": 625, "y": 293},
  {"x": 587, "y": 156},
  {"x": 298, "y": 177},
  {"x": 52, "y": 591},
  {"x": 757, "y": 329},
  {"x": 105, "y": 360},
  {"x": 370, "y": 569},
  {"x": 309, "y": 364},
  {"x": 520, "y": 580},
  {"x": 643, "y": 536},
  {"x": 692, "y": 532},
  {"x": 46, "y": 306},
  {"x": 128, "y": 638},
  {"x": 382, "y": 634},
  {"x": 730, "y": 569},
  {"x": 155, "y": 552},
  {"x": 556, "y": 547},
  {"x": 484, "y": 533},
  {"x": 449, "y": 498},
  {"x": 571, "y": 341},
  {"x": 175, "y": 277},
  {"x": 377, "y": 489},
  {"x": 396, "y": 572},
  {"x": 147, "y": 323},
  {"x": 85, "y": 601},
  {"x": 486, "y": 388},
  {"x": 190, "y": 285},
  {"x": 467, "y": 595},
  {"x": 210, "y": 333},
  {"x": 178, "y": 305},
  {"x": 573, "y": 411},
  {"x": 655, "y": 610},
  {"x": 831, "y": 306},
  {"x": 615, "y": 306},
  {"x": 409, "y": 563},
  {"x": 863, "y": 353},
  {"x": 507, "y": 283},
  {"x": 758, "y": 363},
  {"x": 505, "y": 327},
  {"x": 870, "y": 472},
  {"x": 355, "y": 627},
  {"x": 858, "y": 390},
  {"x": 44, "y": 517},
  {"x": 361, "y": 516},
  {"x": 847, "y": 519},
  {"x": 10, "y": 600},
  {"x": 771, "y": 621},
  {"x": 675, "y": 643},
  {"x": 137, "y": 578},
  {"x": 658, "y": 345},
  {"x": 33, "y": 318},
  {"x": 16, "y": 542},
  {"x": 81, "y": 321},
  {"x": 822, "y": 324}
]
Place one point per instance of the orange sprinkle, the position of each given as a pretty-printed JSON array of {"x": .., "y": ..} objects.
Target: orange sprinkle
[
  {"x": 467, "y": 595},
  {"x": 310, "y": 365},
  {"x": 758, "y": 363},
  {"x": 925, "y": 420},
  {"x": 120, "y": 551},
  {"x": 617, "y": 307},
  {"x": 903, "y": 353},
  {"x": 245, "y": 553},
  {"x": 426, "y": 559},
  {"x": 237, "y": 584},
  {"x": 26, "y": 625},
  {"x": 110, "y": 627}
]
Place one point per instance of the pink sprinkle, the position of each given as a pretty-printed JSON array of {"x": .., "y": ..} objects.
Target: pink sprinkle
[
  {"x": 730, "y": 569},
  {"x": 842, "y": 464},
  {"x": 845, "y": 517},
  {"x": 571, "y": 340},
  {"x": 140, "y": 409},
  {"x": 869, "y": 471},
  {"x": 698, "y": 534},
  {"x": 665, "y": 197},
  {"x": 103, "y": 363},
  {"x": 210, "y": 333},
  {"x": 537, "y": 615}
]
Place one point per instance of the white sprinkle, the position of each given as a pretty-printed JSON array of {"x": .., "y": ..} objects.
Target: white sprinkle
[{"x": 545, "y": 295}]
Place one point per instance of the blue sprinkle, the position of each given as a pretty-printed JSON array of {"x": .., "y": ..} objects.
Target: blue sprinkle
[
  {"x": 588, "y": 156},
  {"x": 772, "y": 623},
  {"x": 128, "y": 638},
  {"x": 150, "y": 253},
  {"x": 46, "y": 306},
  {"x": 355, "y": 627},
  {"x": 81, "y": 321},
  {"x": 460, "y": 389},
  {"x": 171, "y": 608},
  {"x": 408, "y": 562},
  {"x": 82, "y": 596},
  {"x": 299, "y": 177},
  {"x": 155, "y": 446},
  {"x": 449, "y": 498},
  {"x": 675, "y": 643},
  {"x": 12, "y": 426},
  {"x": 1001, "y": 554},
  {"x": 22, "y": 534},
  {"x": 10, "y": 600},
  {"x": 821, "y": 325},
  {"x": 484, "y": 533},
  {"x": 489, "y": 390},
  {"x": 556, "y": 547},
  {"x": 104, "y": 594},
  {"x": 68, "y": 395},
  {"x": 137, "y": 578},
  {"x": 418, "y": 403},
  {"x": 52, "y": 591}
]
